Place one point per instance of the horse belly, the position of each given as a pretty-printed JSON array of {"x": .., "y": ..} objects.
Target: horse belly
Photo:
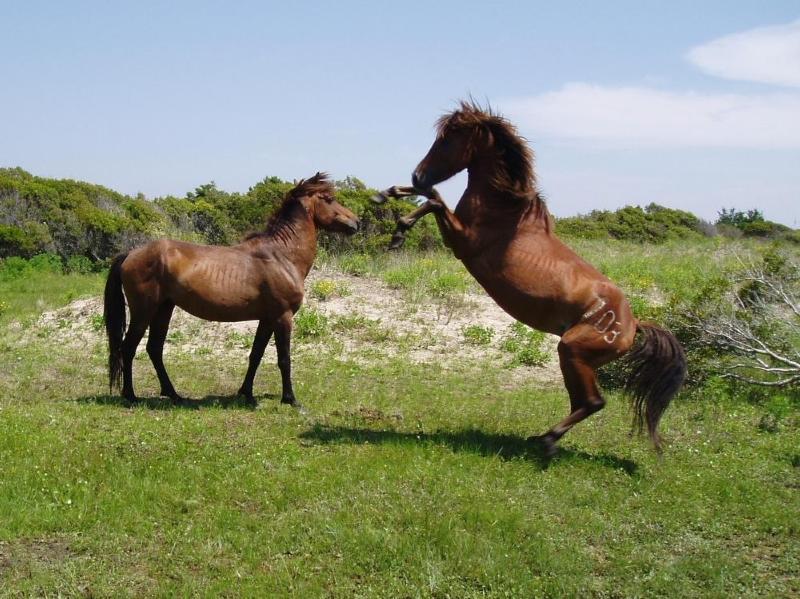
[
  {"x": 527, "y": 289},
  {"x": 218, "y": 292}
]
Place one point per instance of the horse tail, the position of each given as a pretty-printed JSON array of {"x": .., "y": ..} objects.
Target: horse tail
[
  {"x": 114, "y": 318},
  {"x": 657, "y": 371}
]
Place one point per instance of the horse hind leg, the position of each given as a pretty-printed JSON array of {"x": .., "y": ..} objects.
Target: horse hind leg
[
  {"x": 159, "y": 326},
  {"x": 584, "y": 396},
  {"x": 130, "y": 342}
]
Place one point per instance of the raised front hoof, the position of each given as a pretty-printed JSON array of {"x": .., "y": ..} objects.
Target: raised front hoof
[
  {"x": 398, "y": 239},
  {"x": 544, "y": 443}
]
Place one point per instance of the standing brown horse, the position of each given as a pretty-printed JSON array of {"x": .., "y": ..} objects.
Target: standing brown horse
[
  {"x": 503, "y": 233},
  {"x": 260, "y": 279}
]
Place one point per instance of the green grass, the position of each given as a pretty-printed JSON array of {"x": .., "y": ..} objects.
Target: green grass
[
  {"x": 403, "y": 480},
  {"x": 36, "y": 292}
]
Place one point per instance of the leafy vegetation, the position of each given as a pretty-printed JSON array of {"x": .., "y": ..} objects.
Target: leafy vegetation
[
  {"x": 652, "y": 224},
  {"x": 476, "y": 334},
  {"x": 72, "y": 218},
  {"x": 308, "y": 323},
  {"x": 751, "y": 224},
  {"x": 657, "y": 224},
  {"x": 76, "y": 219},
  {"x": 525, "y": 345}
]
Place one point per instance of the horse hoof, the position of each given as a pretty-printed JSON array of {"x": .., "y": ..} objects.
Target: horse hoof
[
  {"x": 173, "y": 396},
  {"x": 545, "y": 444},
  {"x": 397, "y": 242},
  {"x": 379, "y": 198}
]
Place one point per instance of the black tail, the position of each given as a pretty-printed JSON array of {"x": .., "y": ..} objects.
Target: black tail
[
  {"x": 657, "y": 371},
  {"x": 114, "y": 317}
]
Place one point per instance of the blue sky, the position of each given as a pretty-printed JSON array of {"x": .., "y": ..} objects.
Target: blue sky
[{"x": 693, "y": 105}]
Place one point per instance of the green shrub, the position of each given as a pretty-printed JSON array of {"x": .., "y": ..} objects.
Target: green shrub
[
  {"x": 476, "y": 334},
  {"x": 525, "y": 345},
  {"x": 310, "y": 324},
  {"x": 46, "y": 263},
  {"x": 355, "y": 264},
  {"x": 444, "y": 284},
  {"x": 323, "y": 289},
  {"x": 79, "y": 264},
  {"x": 405, "y": 276},
  {"x": 652, "y": 224}
]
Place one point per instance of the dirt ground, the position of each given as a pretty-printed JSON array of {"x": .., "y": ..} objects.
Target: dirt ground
[{"x": 432, "y": 330}]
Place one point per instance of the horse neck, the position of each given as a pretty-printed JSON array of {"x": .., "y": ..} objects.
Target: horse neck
[
  {"x": 484, "y": 206},
  {"x": 295, "y": 237},
  {"x": 481, "y": 196}
]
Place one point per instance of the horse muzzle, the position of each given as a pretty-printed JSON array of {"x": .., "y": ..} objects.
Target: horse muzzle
[
  {"x": 418, "y": 180},
  {"x": 351, "y": 225}
]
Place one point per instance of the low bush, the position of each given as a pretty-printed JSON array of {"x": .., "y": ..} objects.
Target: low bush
[
  {"x": 476, "y": 334},
  {"x": 526, "y": 346},
  {"x": 310, "y": 324},
  {"x": 652, "y": 224}
]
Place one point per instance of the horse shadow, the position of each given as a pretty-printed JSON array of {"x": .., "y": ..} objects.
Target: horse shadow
[
  {"x": 506, "y": 447},
  {"x": 164, "y": 403}
]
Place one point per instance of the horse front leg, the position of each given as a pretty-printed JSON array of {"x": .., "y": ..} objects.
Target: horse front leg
[
  {"x": 456, "y": 236},
  {"x": 263, "y": 333},
  {"x": 404, "y": 223}
]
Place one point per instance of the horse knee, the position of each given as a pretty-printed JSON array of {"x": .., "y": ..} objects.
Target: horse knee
[
  {"x": 128, "y": 351},
  {"x": 595, "y": 404},
  {"x": 153, "y": 348}
]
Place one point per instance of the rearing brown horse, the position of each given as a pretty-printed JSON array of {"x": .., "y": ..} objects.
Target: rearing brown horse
[
  {"x": 260, "y": 279},
  {"x": 503, "y": 233}
]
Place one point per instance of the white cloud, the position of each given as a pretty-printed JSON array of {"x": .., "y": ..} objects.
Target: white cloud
[
  {"x": 766, "y": 55},
  {"x": 642, "y": 116}
]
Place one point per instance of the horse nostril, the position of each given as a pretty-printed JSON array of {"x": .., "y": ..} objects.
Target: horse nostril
[{"x": 415, "y": 179}]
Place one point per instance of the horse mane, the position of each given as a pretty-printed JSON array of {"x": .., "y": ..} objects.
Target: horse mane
[
  {"x": 513, "y": 176},
  {"x": 281, "y": 225}
]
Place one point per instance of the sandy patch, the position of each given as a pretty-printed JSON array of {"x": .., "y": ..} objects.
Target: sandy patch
[{"x": 431, "y": 332}]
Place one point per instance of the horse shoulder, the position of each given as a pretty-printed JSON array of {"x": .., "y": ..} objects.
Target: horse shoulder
[{"x": 281, "y": 283}]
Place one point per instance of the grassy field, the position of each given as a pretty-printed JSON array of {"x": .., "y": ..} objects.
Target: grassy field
[{"x": 402, "y": 479}]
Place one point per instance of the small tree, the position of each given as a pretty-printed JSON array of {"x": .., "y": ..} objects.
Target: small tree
[{"x": 756, "y": 325}]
